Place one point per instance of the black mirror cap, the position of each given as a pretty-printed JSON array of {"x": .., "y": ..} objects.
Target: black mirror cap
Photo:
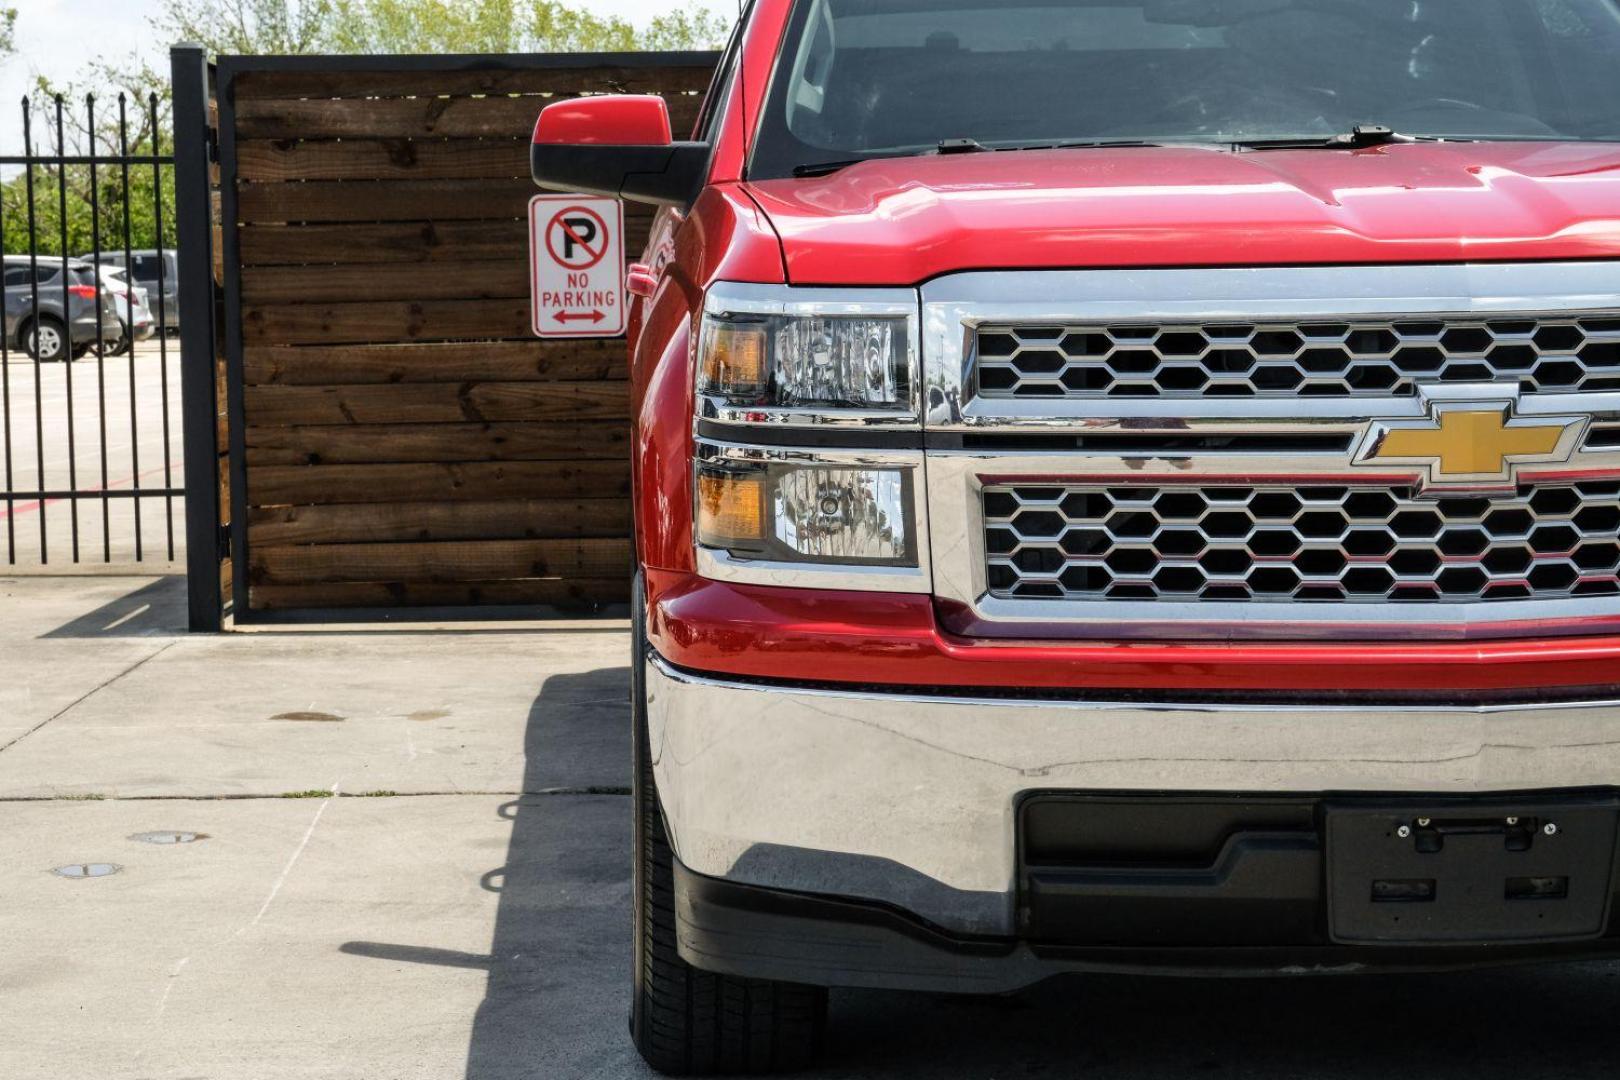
[{"x": 670, "y": 175}]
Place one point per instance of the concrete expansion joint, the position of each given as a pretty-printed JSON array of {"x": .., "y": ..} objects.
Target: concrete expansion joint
[{"x": 87, "y": 695}]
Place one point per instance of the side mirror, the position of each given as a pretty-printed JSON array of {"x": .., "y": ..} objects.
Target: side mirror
[{"x": 619, "y": 146}]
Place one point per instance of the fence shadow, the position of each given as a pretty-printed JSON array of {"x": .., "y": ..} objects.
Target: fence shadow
[{"x": 158, "y": 607}]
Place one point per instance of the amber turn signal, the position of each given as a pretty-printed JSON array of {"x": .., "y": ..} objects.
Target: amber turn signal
[
  {"x": 731, "y": 509},
  {"x": 734, "y": 358}
]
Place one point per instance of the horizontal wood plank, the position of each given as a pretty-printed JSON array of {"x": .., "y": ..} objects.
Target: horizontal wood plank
[
  {"x": 566, "y": 77},
  {"x": 380, "y": 242},
  {"x": 435, "y": 403},
  {"x": 503, "y": 279},
  {"x": 355, "y": 444},
  {"x": 439, "y": 561},
  {"x": 263, "y": 160},
  {"x": 544, "y": 592},
  {"x": 445, "y": 117},
  {"x": 498, "y": 361},
  {"x": 388, "y": 242},
  {"x": 293, "y": 485},
  {"x": 385, "y": 200},
  {"x": 522, "y": 519},
  {"x": 457, "y": 117},
  {"x": 384, "y": 322}
]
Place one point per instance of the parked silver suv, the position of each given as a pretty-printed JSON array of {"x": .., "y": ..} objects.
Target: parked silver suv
[{"x": 49, "y": 321}]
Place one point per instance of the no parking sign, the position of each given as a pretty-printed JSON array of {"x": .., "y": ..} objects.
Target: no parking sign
[{"x": 576, "y": 260}]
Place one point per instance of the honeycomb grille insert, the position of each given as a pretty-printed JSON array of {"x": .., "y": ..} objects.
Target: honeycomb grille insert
[
  {"x": 1286, "y": 544},
  {"x": 1323, "y": 359}
]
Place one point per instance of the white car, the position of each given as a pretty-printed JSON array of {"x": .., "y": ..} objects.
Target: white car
[{"x": 134, "y": 316}]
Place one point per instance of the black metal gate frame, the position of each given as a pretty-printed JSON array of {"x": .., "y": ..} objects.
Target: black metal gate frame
[
  {"x": 195, "y": 149},
  {"x": 73, "y": 494},
  {"x": 225, "y": 71}
]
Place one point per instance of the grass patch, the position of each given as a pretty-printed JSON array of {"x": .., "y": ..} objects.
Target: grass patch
[
  {"x": 381, "y": 793},
  {"x": 88, "y": 796},
  {"x": 312, "y": 793}
]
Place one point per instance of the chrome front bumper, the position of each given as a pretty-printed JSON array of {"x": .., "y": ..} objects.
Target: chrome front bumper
[{"x": 909, "y": 801}]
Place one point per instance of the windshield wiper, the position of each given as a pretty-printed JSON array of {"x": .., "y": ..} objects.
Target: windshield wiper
[
  {"x": 966, "y": 146},
  {"x": 826, "y": 168},
  {"x": 1084, "y": 144},
  {"x": 1362, "y": 135}
]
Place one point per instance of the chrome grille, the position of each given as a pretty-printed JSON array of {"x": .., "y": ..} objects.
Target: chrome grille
[
  {"x": 1291, "y": 544},
  {"x": 1324, "y": 358}
]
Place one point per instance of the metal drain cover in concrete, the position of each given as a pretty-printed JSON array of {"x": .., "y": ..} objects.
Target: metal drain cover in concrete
[
  {"x": 84, "y": 870},
  {"x": 178, "y": 837}
]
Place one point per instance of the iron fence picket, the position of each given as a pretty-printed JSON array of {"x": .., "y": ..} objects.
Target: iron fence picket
[
  {"x": 129, "y": 265},
  {"x": 101, "y": 354},
  {"x": 37, "y": 319},
  {"x": 163, "y": 326},
  {"x": 67, "y": 317},
  {"x": 5, "y": 409}
]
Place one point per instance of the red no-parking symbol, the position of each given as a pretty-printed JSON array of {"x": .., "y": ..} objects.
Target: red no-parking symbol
[
  {"x": 577, "y": 237},
  {"x": 576, "y": 254}
]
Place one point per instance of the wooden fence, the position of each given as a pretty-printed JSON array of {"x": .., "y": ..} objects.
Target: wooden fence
[{"x": 398, "y": 437}]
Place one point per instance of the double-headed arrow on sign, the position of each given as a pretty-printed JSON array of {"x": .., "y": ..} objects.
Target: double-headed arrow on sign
[{"x": 592, "y": 316}]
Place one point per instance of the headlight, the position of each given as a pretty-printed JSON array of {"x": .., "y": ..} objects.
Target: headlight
[
  {"x": 792, "y": 512},
  {"x": 772, "y": 354},
  {"x": 795, "y": 363}
]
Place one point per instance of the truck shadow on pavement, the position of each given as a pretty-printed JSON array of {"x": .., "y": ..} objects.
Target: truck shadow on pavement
[
  {"x": 558, "y": 987},
  {"x": 557, "y": 995},
  {"x": 558, "y": 967}
]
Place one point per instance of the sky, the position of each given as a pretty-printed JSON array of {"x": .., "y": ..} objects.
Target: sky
[{"x": 59, "y": 38}]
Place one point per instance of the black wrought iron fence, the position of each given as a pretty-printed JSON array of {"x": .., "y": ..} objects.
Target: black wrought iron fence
[{"x": 90, "y": 427}]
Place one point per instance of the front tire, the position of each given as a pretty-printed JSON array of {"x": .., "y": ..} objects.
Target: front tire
[{"x": 684, "y": 1021}]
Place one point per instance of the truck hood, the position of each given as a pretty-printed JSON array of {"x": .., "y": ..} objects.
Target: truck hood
[{"x": 901, "y": 221}]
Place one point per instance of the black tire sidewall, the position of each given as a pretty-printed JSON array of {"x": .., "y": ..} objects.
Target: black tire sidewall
[{"x": 640, "y": 796}]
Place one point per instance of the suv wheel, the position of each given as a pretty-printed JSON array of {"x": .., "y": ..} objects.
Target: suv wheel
[
  {"x": 46, "y": 340},
  {"x": 687, "y": 1022}
]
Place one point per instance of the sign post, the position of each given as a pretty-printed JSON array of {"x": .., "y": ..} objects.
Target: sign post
[{"x": 576, "y": 266}]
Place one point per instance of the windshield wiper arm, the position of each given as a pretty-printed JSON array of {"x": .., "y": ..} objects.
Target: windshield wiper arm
[
  {"x": 965, "y": 146},
  {"x": 825, "y": 168},
  {"x": 1361, "y": 135},
  {"x": 969, "y": 146},
  {"x": 946, "y": 146}
]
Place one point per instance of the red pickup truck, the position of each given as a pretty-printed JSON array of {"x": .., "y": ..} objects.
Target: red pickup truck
[{"x": 1120, "y": 485}]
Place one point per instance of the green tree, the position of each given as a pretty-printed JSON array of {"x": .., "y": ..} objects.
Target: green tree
[
  {"x": 8, "y": 32},
  {"x": 91, "y": 125},
  {"x": 249, "y": 27},
  {"x": 428, "y": 26}
]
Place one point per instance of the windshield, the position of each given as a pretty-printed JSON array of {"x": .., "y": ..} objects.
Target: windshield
[{"x": 866, "y": 78}]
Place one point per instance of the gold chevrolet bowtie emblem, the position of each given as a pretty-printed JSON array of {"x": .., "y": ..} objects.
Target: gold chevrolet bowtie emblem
[{"x": 1471, "y": 444}]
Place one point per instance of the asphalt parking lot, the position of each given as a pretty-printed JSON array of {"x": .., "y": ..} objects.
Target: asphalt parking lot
[
  {"x": 411, "y": 863},
  {"x": 119, "y": 405}
]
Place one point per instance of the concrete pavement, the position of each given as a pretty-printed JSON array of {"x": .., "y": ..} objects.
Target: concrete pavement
[{"x": 459, "y": 907}]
